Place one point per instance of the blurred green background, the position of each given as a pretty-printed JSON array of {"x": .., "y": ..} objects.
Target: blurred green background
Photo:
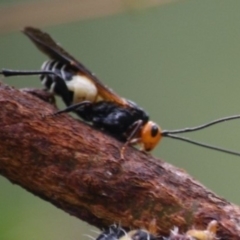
[{"x": 180, "y": 61}]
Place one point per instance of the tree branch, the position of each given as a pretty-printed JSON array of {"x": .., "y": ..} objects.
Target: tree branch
[{"x": 78, "y": 169}]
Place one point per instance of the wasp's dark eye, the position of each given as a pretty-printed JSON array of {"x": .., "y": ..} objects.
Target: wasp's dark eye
[{"x": 154, "y": 130}]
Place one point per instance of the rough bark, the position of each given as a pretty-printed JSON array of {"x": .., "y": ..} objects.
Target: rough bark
[{"x": 79, "y": 170}]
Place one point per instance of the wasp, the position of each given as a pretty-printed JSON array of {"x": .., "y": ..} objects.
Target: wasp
[
  {"x": 96, "y": 103},
  {"x": 84, "y": 94}
]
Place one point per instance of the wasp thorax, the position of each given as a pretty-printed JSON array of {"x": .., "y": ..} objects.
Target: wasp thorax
[{"x": 150, "y": 135}]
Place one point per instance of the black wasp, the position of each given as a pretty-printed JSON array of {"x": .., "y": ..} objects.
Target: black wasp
[{"x": 89, "y": 98}]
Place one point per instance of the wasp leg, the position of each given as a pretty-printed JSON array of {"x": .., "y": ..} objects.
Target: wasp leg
[
  {"x": 131, "y": 138},
  {"x": 10, "y": 72},
  {"x": 58, "y": 86},
  {"x": 42, "y": 94},
  {"x": 132, "y": 142},
  {"x": 74, "y": 107}
]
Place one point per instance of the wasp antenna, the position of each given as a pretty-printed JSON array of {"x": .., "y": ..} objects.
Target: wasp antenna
[
  {"x": 200, "y": 127},
  {"x": 10, "y": 72},
  {"x": 202, "y": 144}
]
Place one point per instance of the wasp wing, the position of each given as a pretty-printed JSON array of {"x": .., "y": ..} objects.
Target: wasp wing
[{"x": 47, "y": 45}]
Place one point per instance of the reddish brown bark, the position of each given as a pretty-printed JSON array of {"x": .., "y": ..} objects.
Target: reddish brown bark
[{"x": 79, "y": 169}]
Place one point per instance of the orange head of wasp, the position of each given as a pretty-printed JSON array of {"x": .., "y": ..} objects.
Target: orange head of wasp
[{"x": 150, "y": 135}]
